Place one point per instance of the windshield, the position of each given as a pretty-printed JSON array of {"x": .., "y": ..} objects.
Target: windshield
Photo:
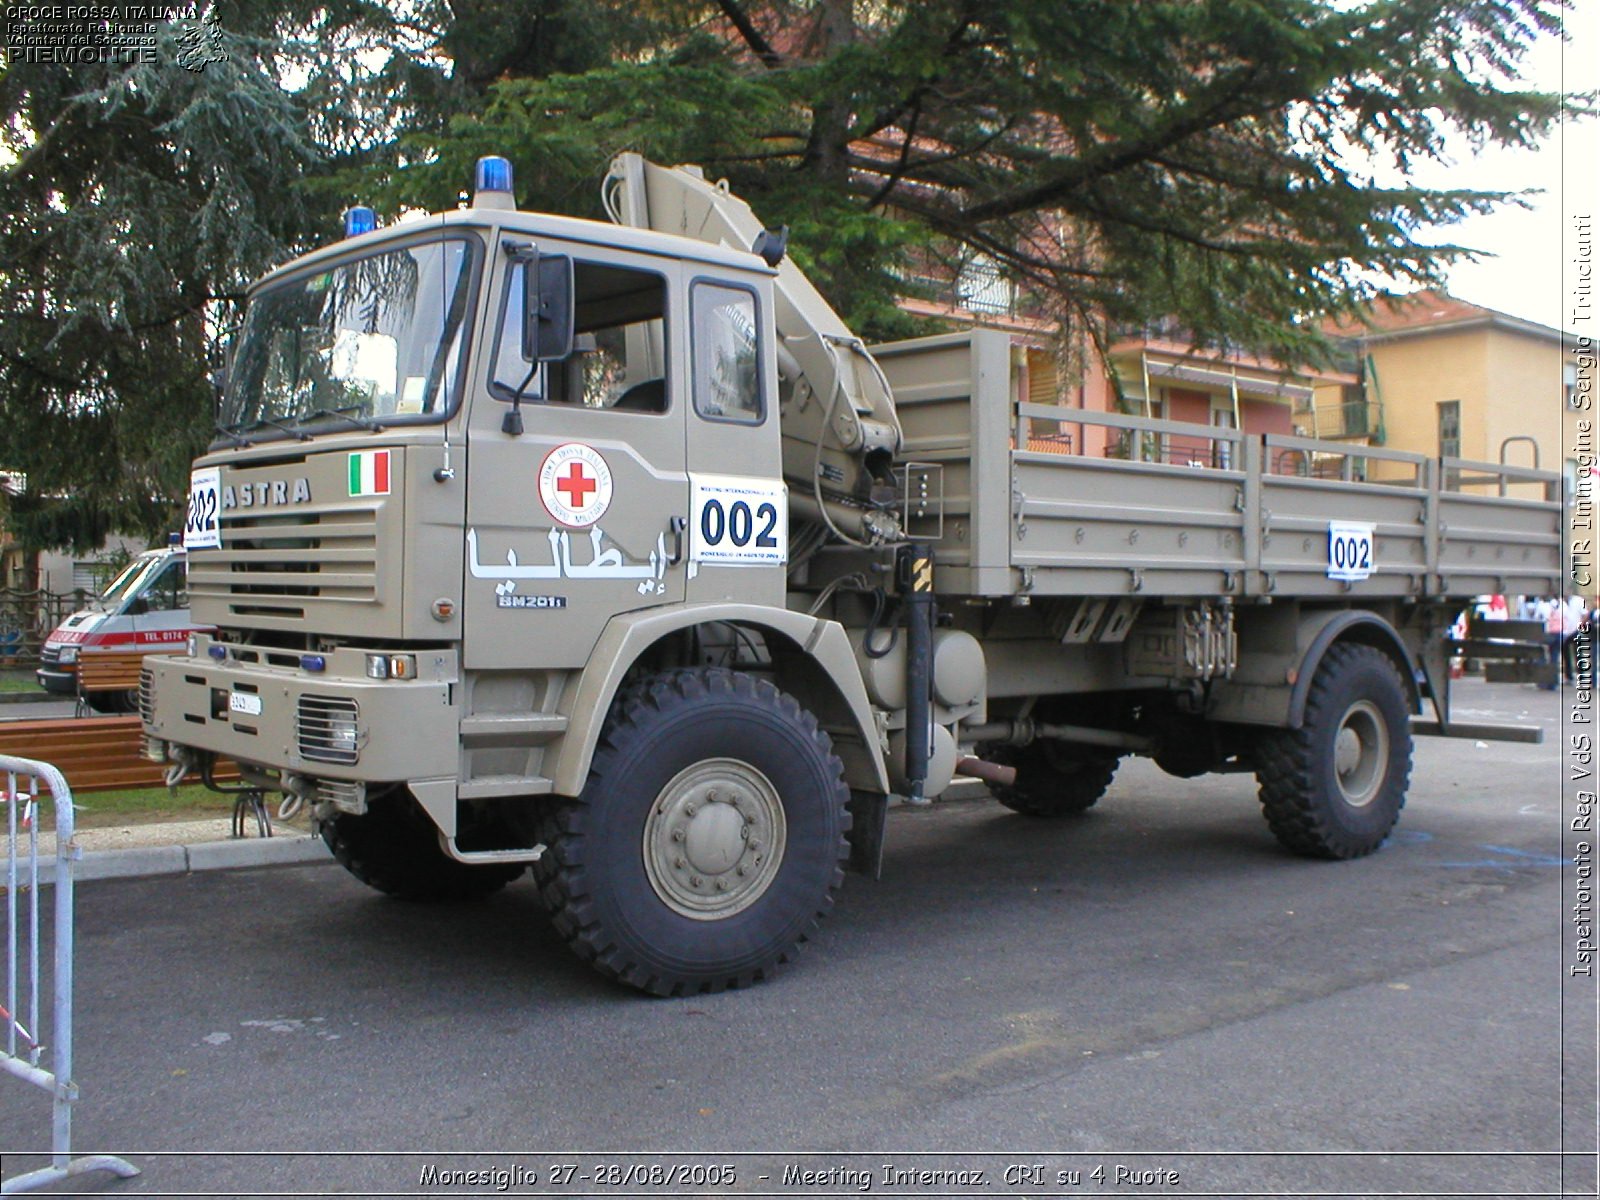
[
  {"x": 132, "y": 579},
  {"x": 377, "y": 338}
]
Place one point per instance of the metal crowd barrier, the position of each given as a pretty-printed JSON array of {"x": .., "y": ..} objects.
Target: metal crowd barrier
[{"x": 46, "y": 1065}]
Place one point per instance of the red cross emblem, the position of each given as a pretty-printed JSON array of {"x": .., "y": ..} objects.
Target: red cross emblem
[{"x": 577, "y": 484}]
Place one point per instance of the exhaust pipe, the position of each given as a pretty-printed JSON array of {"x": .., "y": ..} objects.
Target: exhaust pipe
[{"x": 989, "y": 772}]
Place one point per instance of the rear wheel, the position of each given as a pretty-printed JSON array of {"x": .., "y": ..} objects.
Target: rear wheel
[
  {"x": 1334, "y": 787},
  {"x": 394, "y": 848},
  {"x": 708, "y": 840},
  {"x": 1052, "y": 780}
]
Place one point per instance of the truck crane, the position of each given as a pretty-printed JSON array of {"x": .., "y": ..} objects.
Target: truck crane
[{"x": 608, "y": 550}]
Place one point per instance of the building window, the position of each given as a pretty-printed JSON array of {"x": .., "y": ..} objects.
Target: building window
[{"x": 1450, "y": 438}]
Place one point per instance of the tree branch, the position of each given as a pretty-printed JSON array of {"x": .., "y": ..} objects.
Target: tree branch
[
  {"x": 1223, "y": 108},
  {"x": 752, "y": 36}
]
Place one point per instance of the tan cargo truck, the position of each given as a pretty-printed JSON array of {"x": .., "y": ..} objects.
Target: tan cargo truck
[{"x": 608, "y": 549}]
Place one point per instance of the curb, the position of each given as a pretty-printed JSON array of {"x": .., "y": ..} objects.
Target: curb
[
  {"x": 39, "y": 697},
  {"x": 148, "y": 861}
]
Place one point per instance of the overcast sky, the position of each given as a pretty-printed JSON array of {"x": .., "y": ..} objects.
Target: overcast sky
[{"x": 1525, "y": 278}]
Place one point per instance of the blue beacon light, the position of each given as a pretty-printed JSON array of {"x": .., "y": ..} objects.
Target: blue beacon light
[
  {"x": 359, "y": 220},
  {"x": 493, "y": 174}
]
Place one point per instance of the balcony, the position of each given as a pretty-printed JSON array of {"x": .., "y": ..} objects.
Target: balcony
[{"x": 1353, "y": 416}]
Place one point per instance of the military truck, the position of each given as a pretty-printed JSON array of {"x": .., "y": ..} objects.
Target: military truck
[{"x": 609, "y": 550}]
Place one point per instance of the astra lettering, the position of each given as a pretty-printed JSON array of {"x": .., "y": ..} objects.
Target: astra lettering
[{"x": 276, "y": 491}]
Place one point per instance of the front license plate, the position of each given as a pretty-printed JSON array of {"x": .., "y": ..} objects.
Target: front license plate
[{"x": 244, "y": 702}]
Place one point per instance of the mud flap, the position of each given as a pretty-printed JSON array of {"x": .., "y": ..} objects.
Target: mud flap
[{"x": 869, "y": 812}]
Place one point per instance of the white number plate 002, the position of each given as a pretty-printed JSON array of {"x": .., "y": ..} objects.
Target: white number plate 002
[
  {"x": 202, "y": 528},
  {"x": 1350, "y": 550},
  {"x": 739, "y": 521},
  {"x": 245, "y": 703}
]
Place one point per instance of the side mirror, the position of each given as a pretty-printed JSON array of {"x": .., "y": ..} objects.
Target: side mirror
[
  {"x": 219, "y": 388},
  {"x": 546, "y": 306}
]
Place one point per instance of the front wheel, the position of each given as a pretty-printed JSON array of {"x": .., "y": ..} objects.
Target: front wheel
[
  {"x": 1334, "y": 787},
  {"x": 708, "y": 840}
]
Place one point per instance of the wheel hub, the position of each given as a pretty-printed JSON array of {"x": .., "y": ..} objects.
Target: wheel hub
[
  {"x": 714, "y": 839},
  {"x": 1361, "y": 753}
]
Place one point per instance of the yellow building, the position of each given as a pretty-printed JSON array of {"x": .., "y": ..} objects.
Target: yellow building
[{"x": 1441, "y": 377}]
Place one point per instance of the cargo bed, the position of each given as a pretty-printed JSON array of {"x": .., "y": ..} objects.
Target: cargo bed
[{"x": 1026, "y": 510}]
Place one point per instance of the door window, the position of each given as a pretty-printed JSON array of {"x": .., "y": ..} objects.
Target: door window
[
  {"x": 171, "y": 588},
  {"x": 618, "y": 361},
  {"x": 726, "y": 348}
]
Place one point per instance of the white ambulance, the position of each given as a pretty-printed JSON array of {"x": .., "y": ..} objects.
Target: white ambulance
[{"x": 144, "y": 609}]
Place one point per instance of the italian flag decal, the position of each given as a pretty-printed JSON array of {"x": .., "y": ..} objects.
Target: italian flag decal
[{"x": 369, "y": 473}]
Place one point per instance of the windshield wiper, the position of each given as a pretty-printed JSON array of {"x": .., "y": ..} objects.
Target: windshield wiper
[
  {"x": 289, "y": 429},
  {"x": 344, "y": 414},
  {"x": 233, "y": 435}
]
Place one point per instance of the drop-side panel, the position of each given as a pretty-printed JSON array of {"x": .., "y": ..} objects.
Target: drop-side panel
[
  {"x": 1097, "y": 526},
  {"x": 1296, "y": 512},
  {"x": 1493, "y": 544}
]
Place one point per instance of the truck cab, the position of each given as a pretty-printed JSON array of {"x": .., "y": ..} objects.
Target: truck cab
[{"x": 418, "y": 523}]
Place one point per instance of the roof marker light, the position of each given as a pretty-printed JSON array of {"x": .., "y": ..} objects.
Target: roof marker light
[{"x": 359, "y": 220}]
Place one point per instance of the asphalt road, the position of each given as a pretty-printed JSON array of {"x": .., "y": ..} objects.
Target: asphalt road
[
  {"x": 1154, "y": 987},
  {"x": 37, "y": 710}
]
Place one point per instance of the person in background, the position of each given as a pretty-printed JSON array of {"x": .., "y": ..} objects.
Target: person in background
[{"x": 1553, "y": 613}]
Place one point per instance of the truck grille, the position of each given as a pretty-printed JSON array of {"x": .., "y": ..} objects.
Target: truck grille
[
  {"x": 271, "y": 564},
  {"x": 328, "y": 729},
  {"x": 50, "y": 656}
]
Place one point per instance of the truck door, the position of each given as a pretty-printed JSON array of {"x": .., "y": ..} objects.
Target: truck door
[
  {"x": 571, "y": 522},
  {"x": 739, "y": 513}
]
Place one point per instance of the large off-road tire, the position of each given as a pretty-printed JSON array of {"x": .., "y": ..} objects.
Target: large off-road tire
[
  {"x": 708, "y": 840},
  {"x": 1052, "y": 779},
  {"x": 1334, "y": 787},
  {"x": 394, "y": 848}
]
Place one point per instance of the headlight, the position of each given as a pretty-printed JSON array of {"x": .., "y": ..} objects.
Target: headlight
[
  {"x": 69, "y": 654},
  {"x": 342, "y": 737},
  {"x": 391, "y": 666}
]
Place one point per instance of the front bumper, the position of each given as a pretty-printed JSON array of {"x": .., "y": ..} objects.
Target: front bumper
[
  {"x": 57, "y": 680},
  {"x": 333, "y": 724}
]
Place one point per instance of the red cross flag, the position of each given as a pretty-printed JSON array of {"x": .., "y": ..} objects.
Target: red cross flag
[{"x": 575, "y": 485}]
